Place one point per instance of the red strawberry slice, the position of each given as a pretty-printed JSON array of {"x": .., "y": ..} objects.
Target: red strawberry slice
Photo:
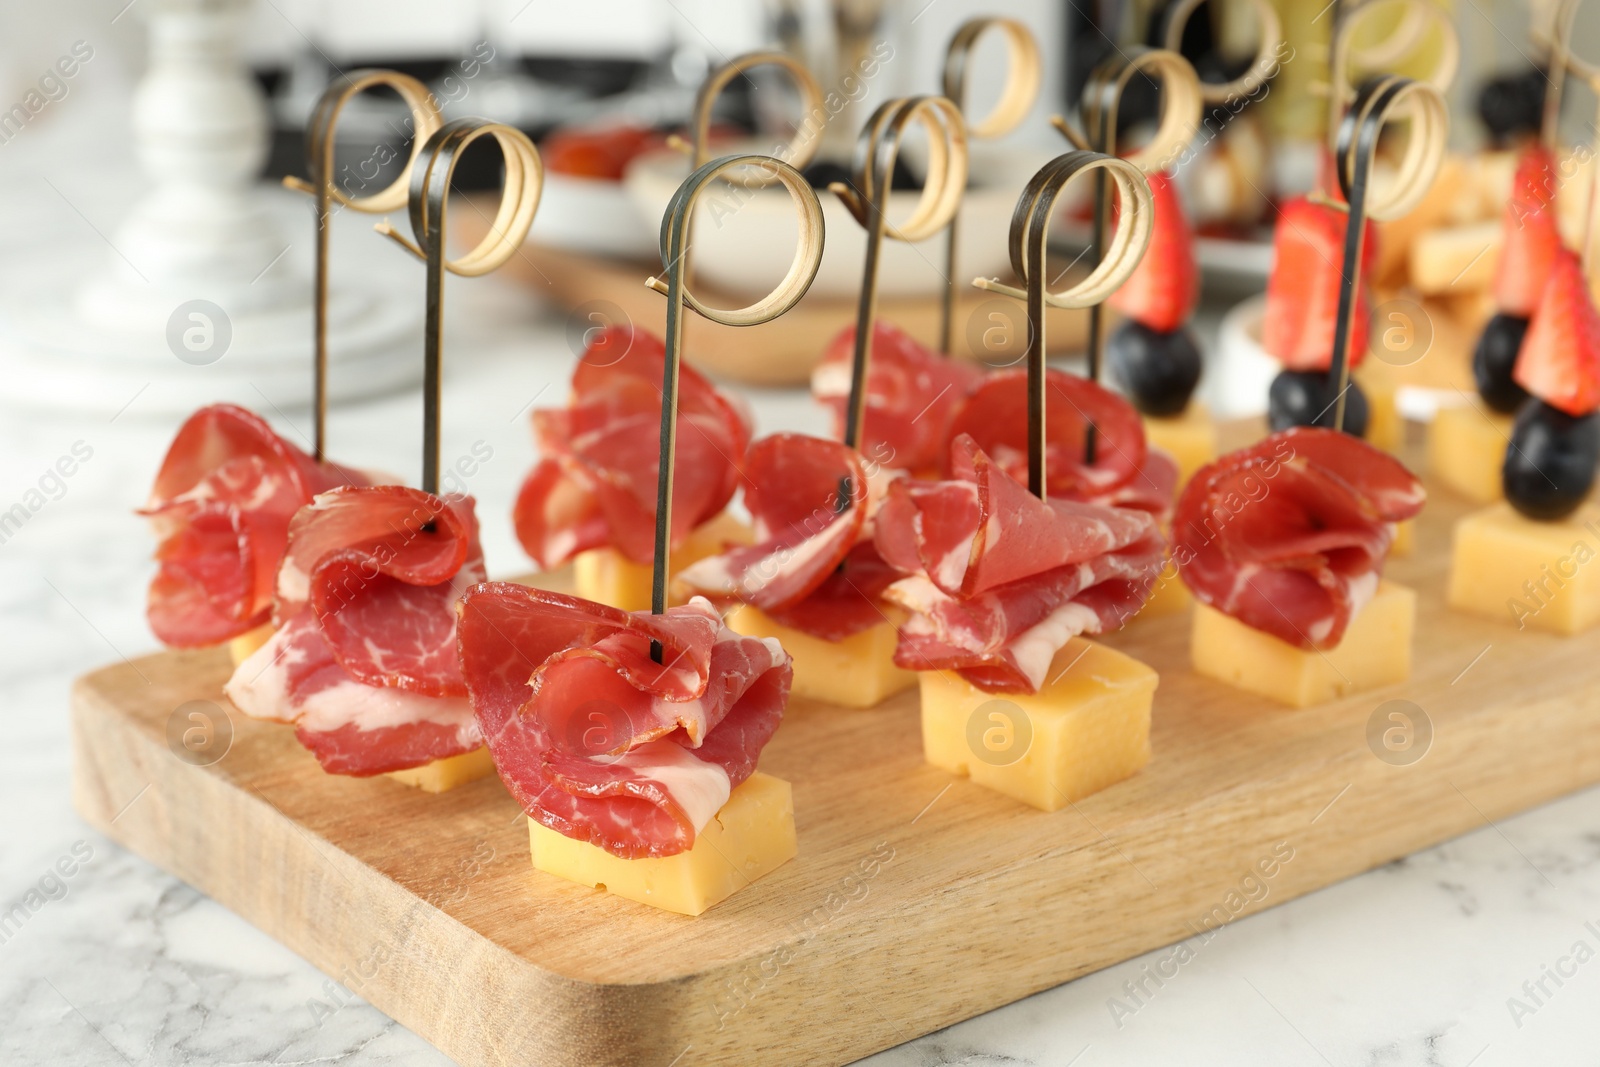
[
  {"x": 1165, "y": 287},
  {"x": 1303, "y": 290},
  {"x": 1559, "y": 361},
  {"x": 1531, "y": 238}
]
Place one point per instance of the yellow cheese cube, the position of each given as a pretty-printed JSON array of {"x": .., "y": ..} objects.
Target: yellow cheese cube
[
  {"x": 1538, "y": 574},
  {"x": 1376, "y": 651},
  {"x": 1466, "y": 449},
  {"x": 1189, "y": 437},
  {"x": 447, "y": 773},
  {"x": 1386, "y": 428},
  {"x": 858, "y": 672},
  {"x": 1088, "y": 727},
  {"x": 750, "y": 837},
  {"x": 1405, "y": 538},
  {"x": 248, "y": 644},
  {"x": 606, "y": 576},
  {"x": 1168, "y": 596}
]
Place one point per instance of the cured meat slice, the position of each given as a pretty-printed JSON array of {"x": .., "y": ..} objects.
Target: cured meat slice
[
  {"x": 1000, "y": 580},
  {"x": 364, "y": 663},
  {"x": 1125, "y": 472},
  {"x": 597, "y": 741},
  {"x": 793, "y": 570},
  {"x": 1289, "y": 535},
  {"x": 912, "y": 392},
  {"x": 596, "y": 483},
  {"x": 221, "y": 506}
]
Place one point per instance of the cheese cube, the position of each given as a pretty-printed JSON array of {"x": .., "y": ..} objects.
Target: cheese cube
[
  {"x": 1405, "y": 538},
  {"x": 248, "y": 644},
  {"x": 607, "y": 576},
  {"x": 1386, "y": 428},
  {"x": 1376, "y": 651},
  {"x": 1466, "y": 449},
  {"x": 1527, "y": 573},
  {"x": 1087, "y": 728},
  {"x": 858, "y": 672},
  {"x": 447, "y": 773},
  {"x": 1189, "y": 437},
  {"x": 751, "y": 836},
  {"x": 1168, "y": 595}
]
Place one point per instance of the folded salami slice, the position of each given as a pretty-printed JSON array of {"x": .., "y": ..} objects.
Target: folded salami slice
[
  {"x": 221, "y": 506},
  {"x": 364, "y": 662},
  {"x": 595, "y": 485},
  {"x": 912, "y": 392},
  {"x": 792, "y": 572},
  {"x": 1000, "y": 580},
  {"x": 1289, "y": 535},
  {"x": 1125, "y": 473},
  {"x": 597, "y": 741}
]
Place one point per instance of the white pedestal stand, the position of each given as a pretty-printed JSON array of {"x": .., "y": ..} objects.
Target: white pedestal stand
[{"x": 198, "y": 294}]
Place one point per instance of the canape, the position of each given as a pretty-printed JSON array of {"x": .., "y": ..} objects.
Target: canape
[
  {"x": 591, "y": 497},
  {"x": 638, "y": 777},
  {"x": 1283, "y": 544}
]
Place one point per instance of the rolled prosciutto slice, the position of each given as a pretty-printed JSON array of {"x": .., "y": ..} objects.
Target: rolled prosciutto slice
[
  {"x": 1290, "y": 535},
  {"x": 595, "y": 739},
  {"x": 221, "y": 506},
  {"x": 997, "y": 580},
  {"x": 813, "y": 566},
  {"x": 364, "y": 662},
  {"x": 912, "y": 393},
  {"x": 1125, "y": 472},
  {"x": 595, "y": 485}
]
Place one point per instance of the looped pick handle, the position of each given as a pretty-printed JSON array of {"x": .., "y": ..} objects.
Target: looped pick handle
[
  {"x": 1378, "y": 100},
  {"x": 1023, "y": 74},
  {"x": 675, "y": 241},
  {"x": 430, "y": 187},
  {"x": 1035, "y": 209},
  {"x": 1418, "y": 16},
  {"x": 1102, "y": 96},
  {"x": 873, "y": 166},
  {"x": 321, "y": 133},
  {"x": 802, "y": 146},
  {"x": 1030, "y": 224},
  {"x": 1270, "y": 31}
]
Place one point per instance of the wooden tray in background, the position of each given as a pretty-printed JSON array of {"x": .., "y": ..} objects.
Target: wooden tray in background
[
  {"x": 781, "y": 352},
  {"x": 917, "y": 900}
]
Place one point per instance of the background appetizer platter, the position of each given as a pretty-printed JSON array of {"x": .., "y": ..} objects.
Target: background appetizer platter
[{"x": 1008, "y": 675}]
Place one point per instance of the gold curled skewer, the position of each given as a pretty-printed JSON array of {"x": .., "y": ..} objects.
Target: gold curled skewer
[
  {"x": 868, "y": 203},
  {"x": 801, "y": 147},
  {"x": 675, "y": 241},
  {"x": 1344, "y": 54},
  {"x": 1017, "y": 97},
  {"x": 321, "y": 136},
  {"x": 1102, "y": 97},
  {"x": 1030, "y": 224},
  {"x": 1380, "y": 100},
  {"x": 428, "y": 199},
  {"x": 1270, "y": 34}
]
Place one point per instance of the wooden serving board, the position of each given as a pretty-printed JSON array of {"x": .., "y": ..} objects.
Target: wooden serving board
[
  {"x": 917, "y": 900},
  {"x": 784, "y": 351}
]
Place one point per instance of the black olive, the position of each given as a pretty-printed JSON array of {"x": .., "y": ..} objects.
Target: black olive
[
  {"x": 823, "y": 172},
  {"x": 1513, "y": 104},
  {"x": 1157, "y": 370},
  {"x": 1493, "y": 359},
  {"x": 1306, "y": 398},
  {"x": 1551, "y": 464}
]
